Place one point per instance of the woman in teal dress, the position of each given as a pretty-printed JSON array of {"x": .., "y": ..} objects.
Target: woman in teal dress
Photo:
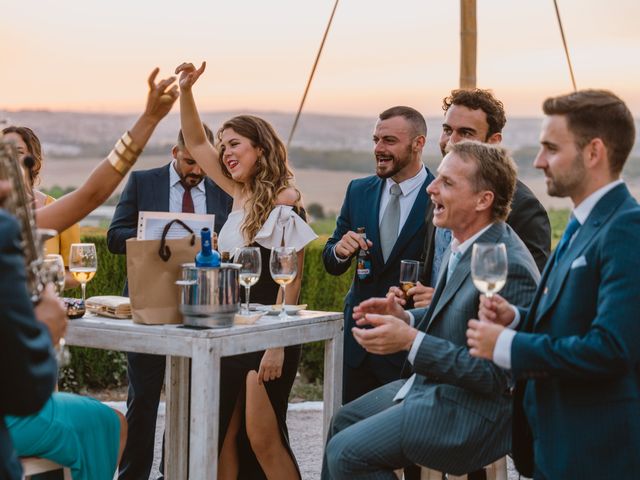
[{"x": 78, "y": 432}]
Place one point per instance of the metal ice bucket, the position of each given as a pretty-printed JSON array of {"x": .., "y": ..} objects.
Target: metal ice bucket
[{"x": 210, "y": 296}]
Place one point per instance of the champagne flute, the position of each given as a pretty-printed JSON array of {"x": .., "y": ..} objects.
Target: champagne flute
[
  {"x": 54, "y": 272},
  {"x": 83, "y": 263},
  {"x": 409, "y": 274},
  {"x": 489, "y": 267},
  {"x": 284, "y": 267},
  {"x": 251, "y": 261}
]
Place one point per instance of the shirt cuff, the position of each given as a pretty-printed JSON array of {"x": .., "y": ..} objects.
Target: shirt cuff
[
  {"x": 414, "y": 348},
  {"x": 516, "y": 320},
  {"x": 340, "y": 260},
  {"x": 502, "y": 350},
  {"x": 412, "y": 319}
]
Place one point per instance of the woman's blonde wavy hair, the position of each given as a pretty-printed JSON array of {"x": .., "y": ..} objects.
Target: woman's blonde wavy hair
[{"x": 271, "y": 176}]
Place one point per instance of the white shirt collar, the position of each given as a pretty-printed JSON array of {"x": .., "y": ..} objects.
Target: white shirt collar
[
  {"x": 174, "y": 178},
  {"x": 582, "y": 211},
  {"x": 460, "y": 248},
  {"x": 409, "y": 184}
]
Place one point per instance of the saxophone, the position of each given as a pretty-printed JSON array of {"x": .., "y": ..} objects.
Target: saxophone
[{"x": 18, "y": 203}]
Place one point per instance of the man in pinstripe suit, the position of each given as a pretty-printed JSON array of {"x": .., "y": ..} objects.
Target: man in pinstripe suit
[{"x": 454, "y": 413}]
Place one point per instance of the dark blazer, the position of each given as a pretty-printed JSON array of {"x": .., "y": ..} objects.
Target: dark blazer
[
  {"x": 578, "y": 351},
  {"x": 27, "y": 365},
  {"x": 361, "y": 208},
  {"x": 528, "y": 218},
  {"x": 148, "y": 190}
]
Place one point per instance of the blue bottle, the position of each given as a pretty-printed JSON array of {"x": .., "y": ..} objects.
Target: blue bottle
[{"x": 207, "y": 256}]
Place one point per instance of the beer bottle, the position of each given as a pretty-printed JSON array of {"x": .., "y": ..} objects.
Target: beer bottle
[{"x": 363, "y": 264}]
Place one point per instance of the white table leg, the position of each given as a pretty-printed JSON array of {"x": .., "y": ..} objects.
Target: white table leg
[
  {"x": 176, "y": 419},
  {"x": 205, "y": 402},
  {"x": 332, "y": 391}
]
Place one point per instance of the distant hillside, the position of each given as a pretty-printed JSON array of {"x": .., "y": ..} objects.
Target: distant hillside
[{"x": 322, "y": 141}]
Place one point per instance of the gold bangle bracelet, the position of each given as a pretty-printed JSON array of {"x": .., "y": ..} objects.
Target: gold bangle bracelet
[
  {"x": 117, "y": 162},
  {"x": 130, "y": 144},
  {"x": 126, "y": 154}
]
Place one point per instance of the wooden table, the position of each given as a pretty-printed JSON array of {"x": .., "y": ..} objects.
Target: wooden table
[{"x": 198, "y": 433}]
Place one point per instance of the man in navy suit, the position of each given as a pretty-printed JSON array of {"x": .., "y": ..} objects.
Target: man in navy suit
[
  {"x": 179, "y": 186},
  {"x": 28, "y": 369},
  {"x": 390, "y": 206},
  {"x": 576, "y": 354}
]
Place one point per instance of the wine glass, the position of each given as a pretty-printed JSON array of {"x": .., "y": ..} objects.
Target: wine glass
[
  {"x": 489, "y": 267},
  {"x": 53, "y": 272},
  {"x": 249, "y": 258},
  {"x": 83, "y": 263},
  {"x": 409, "y": 274},
  {"x": 284, "y": 267}
]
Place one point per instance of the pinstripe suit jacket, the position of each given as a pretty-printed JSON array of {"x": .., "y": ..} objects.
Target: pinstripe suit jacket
[{"x": 461, "y": 417}]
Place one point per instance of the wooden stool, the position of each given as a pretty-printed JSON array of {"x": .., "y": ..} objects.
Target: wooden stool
[
  {"x": 35, "y": 465},
  {"x": 496, "y": 471}
]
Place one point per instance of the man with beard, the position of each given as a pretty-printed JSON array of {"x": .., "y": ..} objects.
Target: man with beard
[
  {"x": 179, "y": 186},
  {"x": 390, "y": 206},
  {"x": 477, "y": 115}
]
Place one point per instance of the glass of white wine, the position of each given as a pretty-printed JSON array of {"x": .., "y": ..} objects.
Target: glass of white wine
[
  {"x": 284, "y": 267},
  {"x": 249, "y": 258},
  {"x": 54, "y": 272},
  {"x": 83, "y": 263},
  {"x": 489, "y": 267}
]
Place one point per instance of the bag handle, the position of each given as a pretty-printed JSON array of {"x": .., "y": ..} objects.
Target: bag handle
[{"x": 165, "y": 251}]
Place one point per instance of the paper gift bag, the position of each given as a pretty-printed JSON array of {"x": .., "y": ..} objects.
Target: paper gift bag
[{"x": 153, "y": 267}]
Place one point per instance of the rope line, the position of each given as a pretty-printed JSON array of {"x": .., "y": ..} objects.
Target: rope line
[
  {"x": 566, "y": 48},
  {"x": 313, "y": 71}
]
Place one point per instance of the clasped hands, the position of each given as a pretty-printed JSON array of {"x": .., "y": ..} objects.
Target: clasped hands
[
  {"x": 390, "y": 332},
  {"x": 494, "y": 315}
]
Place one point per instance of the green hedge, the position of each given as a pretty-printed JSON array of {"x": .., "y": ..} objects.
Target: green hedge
[{"x": 92, "y": 368}]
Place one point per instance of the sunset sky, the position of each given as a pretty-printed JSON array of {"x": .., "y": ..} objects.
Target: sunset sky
[{"x": 95, "y": 55}]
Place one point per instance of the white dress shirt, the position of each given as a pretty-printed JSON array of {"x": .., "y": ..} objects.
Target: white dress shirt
[
  {"x": 176, "y": 192},
  {"x": 410, "y": 190},
  {"x": 502, "y": 349}
]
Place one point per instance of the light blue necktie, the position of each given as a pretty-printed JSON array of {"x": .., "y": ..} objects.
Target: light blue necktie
[
  {"x": 453, "y": 263},
  {"x": 564, "y": 242},
  {"x": 442, "y": 241}
]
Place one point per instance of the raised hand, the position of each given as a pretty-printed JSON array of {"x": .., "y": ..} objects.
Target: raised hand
[
  {"x": 162, "y": 95},
  {"x": 381, "y": 306},
  {"x": 189, "y": 74},
  {"x": 496, "y": 310},
  {"x": 388, "y": 335},
  {"x": 350, "y": 243}
]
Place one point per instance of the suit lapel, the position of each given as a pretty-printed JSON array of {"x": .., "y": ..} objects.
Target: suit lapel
[
  {"x": 462, "y": 270},
  {"x": 414, "y": 222},
  {"x": 592, "y": 226},
  {"x": 208, "y": 195},
  {"x": 372, "y": 227},
  {"x": 161, "y": 189}
]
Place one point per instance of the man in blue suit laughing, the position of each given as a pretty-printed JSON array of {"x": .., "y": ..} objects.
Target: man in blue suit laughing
[
  {"x": 577, "y": 349},
  {"x": 390, "y": 206}
]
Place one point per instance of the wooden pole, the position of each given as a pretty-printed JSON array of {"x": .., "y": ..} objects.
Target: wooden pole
[{"x": 468, "y": 43}]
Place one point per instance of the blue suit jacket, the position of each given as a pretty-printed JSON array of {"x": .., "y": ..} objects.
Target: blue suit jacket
[
  {"x": 27, "y": 365},
  {"x": 148, "y": 190},
  {"x": 361, "y": 208},
  {"x": 580, "y": 354}
]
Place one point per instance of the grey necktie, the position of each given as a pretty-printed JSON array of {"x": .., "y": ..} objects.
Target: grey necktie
[{"x": 390, "y": 222}]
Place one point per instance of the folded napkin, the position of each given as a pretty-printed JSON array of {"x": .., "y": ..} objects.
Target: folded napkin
[{"x": 109, "y": 306}]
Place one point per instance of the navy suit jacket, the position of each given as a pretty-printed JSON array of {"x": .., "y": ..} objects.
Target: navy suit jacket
[
  {"x": 148, "y": 190},
  {"x": 578, "y": 352},
  {"x": 361, "y": 208},
  {"x": 28, "y": 368}
]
